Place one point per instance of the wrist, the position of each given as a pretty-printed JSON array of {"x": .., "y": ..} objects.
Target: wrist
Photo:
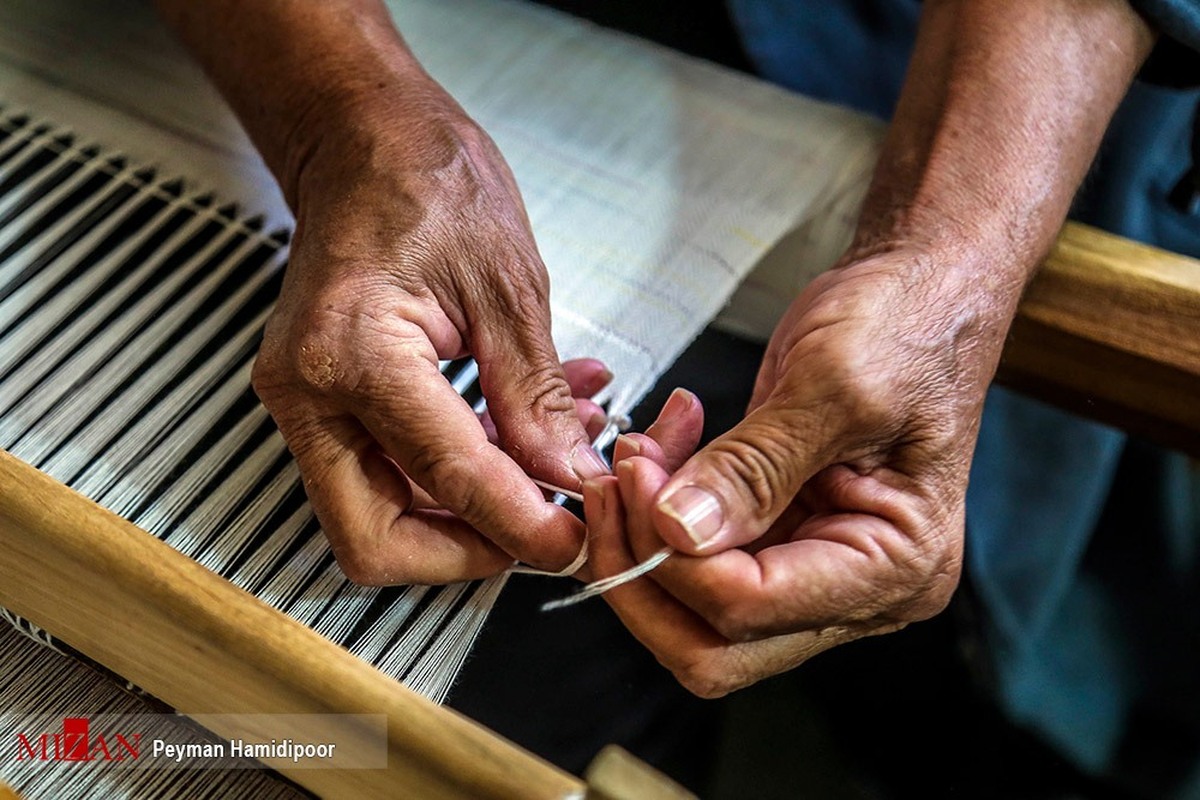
[
  {"x": 941, "y": 259},
  {"x": 399, "y": 122},
  {"x": 934, "y": 305},
  {"x": 298, "y": 74}
]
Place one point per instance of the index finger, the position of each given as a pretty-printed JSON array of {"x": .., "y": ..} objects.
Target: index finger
[{"x": 437, "y": 440}]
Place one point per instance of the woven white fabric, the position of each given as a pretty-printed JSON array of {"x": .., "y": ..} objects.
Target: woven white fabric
[{"x": 655, "y": 182}]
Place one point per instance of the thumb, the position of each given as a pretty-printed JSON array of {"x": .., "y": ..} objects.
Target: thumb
[
  {"x": 730, "y": 493},
  {"x": 532, "y": 406}
]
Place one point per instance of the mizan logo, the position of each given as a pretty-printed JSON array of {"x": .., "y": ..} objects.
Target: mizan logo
[{"x": 76, "y": 743}]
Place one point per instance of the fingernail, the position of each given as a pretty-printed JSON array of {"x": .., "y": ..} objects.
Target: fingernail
[
  {"x": 598, "y": 420},
  {"x": 594, "y": 487},
  {"x": 697, "y": 510},
  {"x": 597, "y": 489},
  {"x": 587, "y": 463},
  {"x": 629, "y": 446},
  {"x": 604, "y": 378},
  {"x": 676, "y": 404}
]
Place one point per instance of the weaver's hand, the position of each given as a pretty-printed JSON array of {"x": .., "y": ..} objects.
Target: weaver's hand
[
  {"x": 413, "y": 246},
  {"x": 833, "y": 511}
]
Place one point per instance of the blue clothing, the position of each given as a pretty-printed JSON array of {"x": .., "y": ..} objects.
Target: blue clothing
[
  {"x": 1178, "y": 19},
  {"x": 1087, "y": 646}
]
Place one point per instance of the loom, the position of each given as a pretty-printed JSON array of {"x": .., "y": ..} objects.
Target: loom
[{"x": 141, "y": 246}]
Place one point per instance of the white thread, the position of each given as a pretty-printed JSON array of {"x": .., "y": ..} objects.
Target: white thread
[
  {"x": 615, "y": 424},
  {"x": 39, "y": 688},
  {"x": 550, "y": 487},
  {"x": 605, "y": 584},
  {"x": 565, "y": 572},
  {"x": 581, "y": 559}
]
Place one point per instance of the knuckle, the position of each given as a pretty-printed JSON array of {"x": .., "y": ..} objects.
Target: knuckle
[
  {"x": 871, "y": 402},
  {"x": 515, "y": 294},
  {"x": 531, "y": 407},
  {"x": 514, "y": 286},
  {"x": 934, "y": 579},
  {"x": 316, "y": 364},
  {"x": 705, "y": 681},
  {"x": 849, "y": 377},
  {"x": 938, "y": 591},
  {"x": 339, "y": 353},
  {"x": 861, "y": 383},
  {"x": 436, "y": 466},
  {"x": 532, "y": 291},
  {"x": 446, "y": 474},
  {"x": 358, "y": 562},
  {"x": 268, "y": 374},
  {"x": 548, "y": 392},
  {"x": 265, "y": 376},
  {"x": 756, "y": 464},
  {"x": 359, "y": 571},
  {"x": 300, "y": 351}
]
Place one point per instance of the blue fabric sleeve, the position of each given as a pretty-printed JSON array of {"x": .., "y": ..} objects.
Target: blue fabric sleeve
[
  {"x": 1176, "y": 59},
  {"x": 1178, "y": 19}
]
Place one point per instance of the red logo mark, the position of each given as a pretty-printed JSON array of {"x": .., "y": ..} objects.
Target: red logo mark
[{"x": 76, "y": 743}]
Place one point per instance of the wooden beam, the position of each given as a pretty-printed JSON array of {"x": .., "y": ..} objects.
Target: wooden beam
[
  {"x": 1110, "y": 329},
  {"x": 204, "y": 646},
  {"x": 616, "y": 775}
]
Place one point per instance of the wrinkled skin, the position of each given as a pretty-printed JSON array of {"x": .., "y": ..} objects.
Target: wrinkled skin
[
  {"x": 835, "y": 509},
  {"x": 844, "y": 515},
  {"x": 387, "y": 278}
]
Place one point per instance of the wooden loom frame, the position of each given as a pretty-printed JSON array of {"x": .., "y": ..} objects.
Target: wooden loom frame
[{"x": 1109, "y": 328}]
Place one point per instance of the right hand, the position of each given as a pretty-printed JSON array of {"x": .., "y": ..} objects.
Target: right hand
[
  {"x": 412, "y": 246},
  {"x": 834, "y": 510}
]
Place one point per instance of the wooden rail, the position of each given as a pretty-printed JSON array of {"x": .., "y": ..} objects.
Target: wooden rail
[
  {"x": 202, "y": 645},
  {"x": 1110, "y": 329}
]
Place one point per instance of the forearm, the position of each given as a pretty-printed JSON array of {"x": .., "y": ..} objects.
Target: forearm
[
  {"x": 298, "y": 72},
  {"x": 1002, "y": 112}
]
